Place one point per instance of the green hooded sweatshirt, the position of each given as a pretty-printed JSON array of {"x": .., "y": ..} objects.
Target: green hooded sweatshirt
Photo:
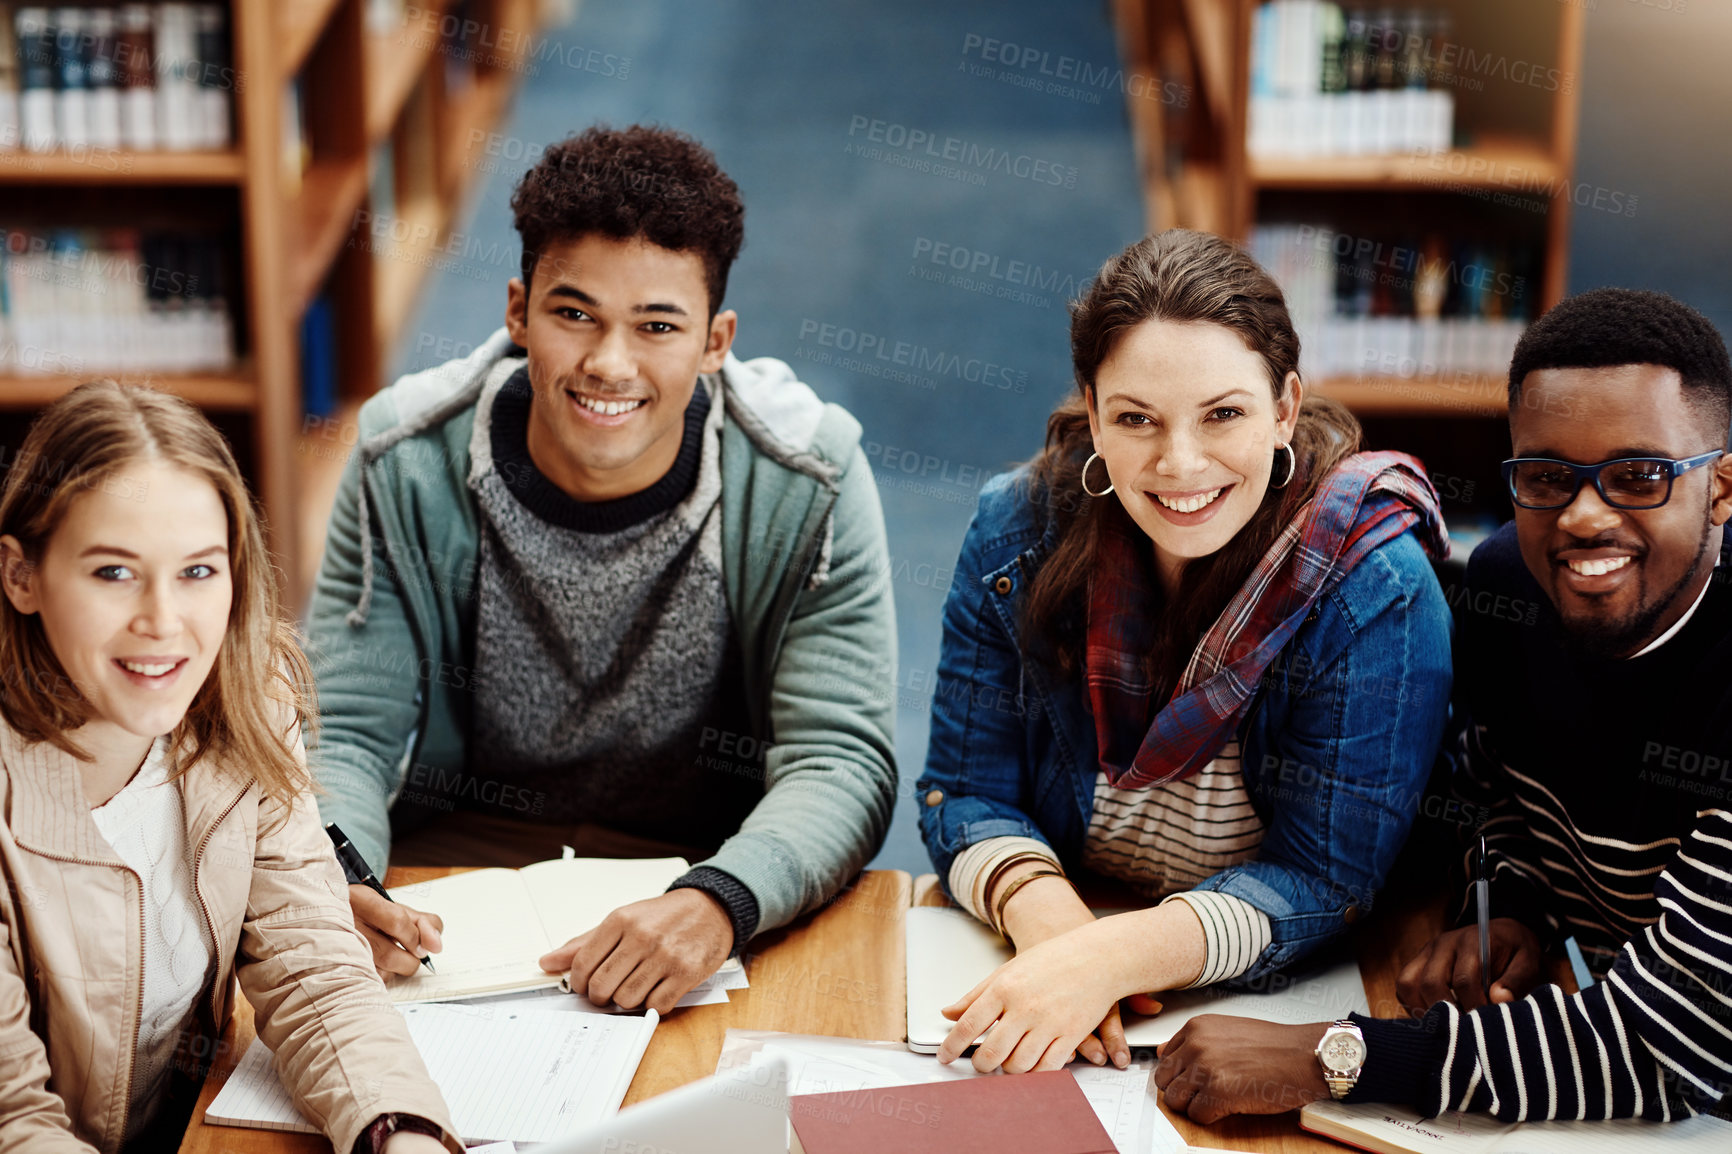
[{"x": 806, "y": 572}]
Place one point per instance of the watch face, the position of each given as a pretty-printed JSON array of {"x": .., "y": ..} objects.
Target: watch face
[{"x": 1343, "y": 1052}]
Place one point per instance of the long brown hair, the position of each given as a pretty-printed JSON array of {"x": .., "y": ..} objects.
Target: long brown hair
[
  {"x": 260, "y": 680},
  {"x": 1180, "y": 276}
]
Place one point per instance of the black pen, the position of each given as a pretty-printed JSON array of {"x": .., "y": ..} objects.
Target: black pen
[{"x": 355, "y": 869}]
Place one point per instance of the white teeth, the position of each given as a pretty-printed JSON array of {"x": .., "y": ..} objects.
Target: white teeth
[
  {"x": 1596, "y": 567},
  {"x": 1188, "y": 504},
  {"x": 608, "y": 408},
  {"x": 148, "y": 670}
]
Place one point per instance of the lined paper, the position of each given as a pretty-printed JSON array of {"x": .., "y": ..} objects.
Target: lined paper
[{"x": 507, "y": 1073}]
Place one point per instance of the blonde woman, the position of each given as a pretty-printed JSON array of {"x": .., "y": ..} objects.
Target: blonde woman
[{"x": 160, "y": 836}]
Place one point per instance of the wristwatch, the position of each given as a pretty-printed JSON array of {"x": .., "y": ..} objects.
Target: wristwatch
[{"x": 1341, "y": 1053}]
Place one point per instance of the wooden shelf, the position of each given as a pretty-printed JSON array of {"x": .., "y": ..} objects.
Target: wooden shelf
[
  {"x": 236, "y": 391},
  {"x": 395, "y": 63},
  {"x": 324, "y": 212},
  {"x": 1456, "y": 396},
  {"x": 299, "y": 25},
  {"x": 1515, "y": 166},
  {"x": 113, "y": 167},
  {"x": 366, "y": 91},
  {"x": 401, "y": 267},
  {"x": 479, "y": 109}
]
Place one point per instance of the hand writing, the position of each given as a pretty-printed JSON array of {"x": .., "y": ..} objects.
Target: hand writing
[{"x": 398, "y": 935}]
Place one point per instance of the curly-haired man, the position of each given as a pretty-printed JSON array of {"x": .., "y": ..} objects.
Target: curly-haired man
[{"x": 602, "y": 584}]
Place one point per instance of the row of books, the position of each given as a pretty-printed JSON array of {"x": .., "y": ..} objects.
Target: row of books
[
  {"x": 1332, "y": 82},
  {"x": 140, "y": 77},
  {"x": 1399, "y": 307},
  {"x": 86, "y": 301}
]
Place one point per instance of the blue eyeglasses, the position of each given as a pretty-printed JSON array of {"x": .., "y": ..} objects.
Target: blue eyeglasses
[{"x": 1626, "y": 483}]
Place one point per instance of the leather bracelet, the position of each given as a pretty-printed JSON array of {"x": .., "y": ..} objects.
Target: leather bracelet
[
  {"x": 372, "y": 1140},
  {"x": 1010, "y": 892}
]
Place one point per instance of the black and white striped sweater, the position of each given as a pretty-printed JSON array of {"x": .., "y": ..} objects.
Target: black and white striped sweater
[{"x": 1608, "y": 788}]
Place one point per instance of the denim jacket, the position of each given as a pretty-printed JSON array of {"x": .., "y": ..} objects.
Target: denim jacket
[{"x": 1337, "y": 743}]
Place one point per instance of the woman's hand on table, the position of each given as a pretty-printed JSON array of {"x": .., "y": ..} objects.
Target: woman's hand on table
[
  {"x": 1037, "y": 1009},
  {"x": 1047, "y": 908},
  {"x": 405, "y": 1142}
]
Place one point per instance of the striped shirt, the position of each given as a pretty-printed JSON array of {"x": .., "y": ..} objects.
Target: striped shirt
[
  {"x": 1607, "y": 786},
  {"x": 1162, "y": 841}
]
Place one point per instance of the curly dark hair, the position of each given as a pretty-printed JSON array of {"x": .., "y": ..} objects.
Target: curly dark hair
[
  {"x": 1616, "y": 326},
  {"x": 640, "y": 181}
]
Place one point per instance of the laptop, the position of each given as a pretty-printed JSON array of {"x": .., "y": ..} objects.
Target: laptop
[
  {"x": 950, "y": 952},
  {"x": 741, "y": 1111}
]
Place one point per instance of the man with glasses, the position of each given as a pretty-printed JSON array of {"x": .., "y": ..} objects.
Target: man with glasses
[{"x": 1599, "y": 738}]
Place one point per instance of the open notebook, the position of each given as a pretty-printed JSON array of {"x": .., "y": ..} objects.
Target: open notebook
[
  {"x": 1396, "y": 1130},
  {"x": 949, "y": 952},
  {"x": 498, "y": 922},
  {"x": 508, "y": 1073}
]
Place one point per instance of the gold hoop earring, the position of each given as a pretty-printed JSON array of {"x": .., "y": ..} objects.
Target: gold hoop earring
[
  {"x": 1093, "y": 457},
  {"x": 1292, "y": 467}
]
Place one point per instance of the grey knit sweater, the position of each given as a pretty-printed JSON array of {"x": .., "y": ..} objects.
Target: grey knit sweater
[{"x": 604, "y": 652}]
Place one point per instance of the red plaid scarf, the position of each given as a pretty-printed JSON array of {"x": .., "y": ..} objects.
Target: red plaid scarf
[{"x": 1367, "y": 500}]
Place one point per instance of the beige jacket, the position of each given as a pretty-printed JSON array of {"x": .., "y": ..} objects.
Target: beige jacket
[{"x": 72, "y": 948}]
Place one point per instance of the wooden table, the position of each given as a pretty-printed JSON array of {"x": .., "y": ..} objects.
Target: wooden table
[
  {"x": 837, "y": 971},
  {"x": 841, "y": 971}
]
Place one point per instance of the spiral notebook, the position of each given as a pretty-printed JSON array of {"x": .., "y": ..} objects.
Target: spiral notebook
[{"x": 507, "y": 1072}]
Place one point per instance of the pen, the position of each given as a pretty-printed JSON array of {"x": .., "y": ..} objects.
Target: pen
[
  {"x": 1482, "y": 892},
  {"x": 355, "y": 869}
]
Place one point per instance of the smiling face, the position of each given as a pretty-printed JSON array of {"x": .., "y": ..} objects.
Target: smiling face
[
  {"x": 133, "y": 591},
  {"x": 1619, "y": 577},
  {"x": 617, "y": 332},
  {"x": 1185, "y": 420}
]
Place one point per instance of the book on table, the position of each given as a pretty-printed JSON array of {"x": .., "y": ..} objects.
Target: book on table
[
  {"x": 1043, "y": 1113},
  {"x": 1387, "y": 1129},
  {"x": 499, "y": 922}
]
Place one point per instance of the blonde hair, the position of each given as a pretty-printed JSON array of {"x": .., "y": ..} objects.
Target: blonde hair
[{"x": 81, "y": 442}]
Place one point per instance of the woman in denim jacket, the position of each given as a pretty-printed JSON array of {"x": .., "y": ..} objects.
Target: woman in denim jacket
[{"x": 1196, "y": 646}]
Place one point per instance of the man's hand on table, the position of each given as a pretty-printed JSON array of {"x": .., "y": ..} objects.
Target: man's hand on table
[
  {"x": 649, "y": 953},
  {"x": 400, "y": 936},
  {"x": 1447, "y": 970},
  {"x": 1218, "y": 1065}
]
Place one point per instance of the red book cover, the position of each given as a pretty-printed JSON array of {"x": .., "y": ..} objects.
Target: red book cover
[{"x": 1042, "y": 1113}]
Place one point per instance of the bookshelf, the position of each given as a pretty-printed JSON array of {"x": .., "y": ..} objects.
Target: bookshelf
[
  {"x": 1511, "y": 141},
  {"x": 379, "y": 83},
  {"x": 1494, "y": 191}
]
